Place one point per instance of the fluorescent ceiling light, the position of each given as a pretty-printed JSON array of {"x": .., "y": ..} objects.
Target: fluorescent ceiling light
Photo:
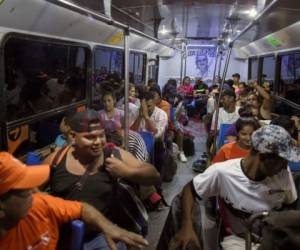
[
  {"x": 252, "y": 12},
  {"x": 163, "y": 31}
]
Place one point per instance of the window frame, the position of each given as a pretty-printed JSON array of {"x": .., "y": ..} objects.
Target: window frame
[{"x": 7, "y": 125}]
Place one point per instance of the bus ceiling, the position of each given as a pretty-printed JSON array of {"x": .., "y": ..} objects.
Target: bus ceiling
[{"x": 157, "y": 25}]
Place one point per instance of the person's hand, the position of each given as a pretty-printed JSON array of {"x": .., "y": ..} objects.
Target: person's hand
[
  {"x": 114, "y": 233},
  {"x": 144, "y": 109},
  {"x": 185, "y": 236},
  {"x": 116, "y": 167}
]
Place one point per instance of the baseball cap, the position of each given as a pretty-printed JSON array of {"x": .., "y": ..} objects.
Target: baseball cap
[
  {"x": 16, "y": 175},
  {"x": 275, "y": 139},
  {"x": 81, "y": 121}
]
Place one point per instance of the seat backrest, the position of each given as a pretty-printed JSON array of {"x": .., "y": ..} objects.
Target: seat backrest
[
  {"x": 77, "y": 234},
  {"x": 221, "y": 136},
  {"x": 294, "y": 166},
  {"x": 149, "y": 140},
  {"x": 33, "y": 158}
]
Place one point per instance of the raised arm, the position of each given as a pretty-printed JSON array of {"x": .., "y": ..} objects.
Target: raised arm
[
  {"x": 267, "y": 100},
  {"x": 112, "y": 232}
]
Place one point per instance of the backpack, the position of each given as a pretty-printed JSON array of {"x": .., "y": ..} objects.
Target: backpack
[
  {"x": 188, "y": 145},
  {"x": 164, "y": 161},
  {"x": 169, "y": 168}
]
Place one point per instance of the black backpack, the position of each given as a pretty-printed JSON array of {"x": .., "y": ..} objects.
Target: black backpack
[
  {"x": 169, "y": 166},
  {"x": 188, "y": 145}
]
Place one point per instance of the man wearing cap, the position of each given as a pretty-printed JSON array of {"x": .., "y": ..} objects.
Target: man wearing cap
[
  {"x": 31, "y": 220},
  {"x": 260, "y": 182},
  {"x": 88, "y": 163}
]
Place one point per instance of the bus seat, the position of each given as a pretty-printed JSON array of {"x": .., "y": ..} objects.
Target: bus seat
[
  {"x": 77, "y": 234},
  {"x": 149, "y": 141},
  {"x": 294, "y": 166},
  {"x": 221, "y": 136},
  {"x": 33, "y": 158},
  {"x": 77, "y": 226}
]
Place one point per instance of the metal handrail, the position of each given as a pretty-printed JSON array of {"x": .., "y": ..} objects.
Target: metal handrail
[{"x": 107, "y": 20}]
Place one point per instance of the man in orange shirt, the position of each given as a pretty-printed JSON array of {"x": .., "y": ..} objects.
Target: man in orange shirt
[{"x": 31, "y": 220}]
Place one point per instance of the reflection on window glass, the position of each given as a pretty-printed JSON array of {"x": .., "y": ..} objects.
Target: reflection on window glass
[
  {"x": 254, "y": 68},
  {"x": 34, "y": 136},
  {"x": 109, "y": 75},
  {"x": 290, "y": 77},
  {"x": 40, "y": 76},
  {"x": 136, "y": 68},
  {"x": 268, "y": 72}
]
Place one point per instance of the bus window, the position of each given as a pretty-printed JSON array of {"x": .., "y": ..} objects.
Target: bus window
[
  {"x": 40, "y": 76},
  {"x": 254, "y": 68},
  {"x": 268, "y": 72},
  {"x": 290, "y": 77},
  {"x": 136, "y": 68}
]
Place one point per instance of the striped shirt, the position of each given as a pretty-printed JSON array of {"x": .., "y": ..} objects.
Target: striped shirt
[{"x": 137, "y": 146}]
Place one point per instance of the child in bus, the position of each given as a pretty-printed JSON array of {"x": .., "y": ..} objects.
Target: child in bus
[
  {"x": 132, "y": 95},
  {"x": 241, "y": 147}
]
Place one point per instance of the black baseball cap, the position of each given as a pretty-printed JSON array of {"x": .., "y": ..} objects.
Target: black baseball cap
[{"x": 81, "y": 121}]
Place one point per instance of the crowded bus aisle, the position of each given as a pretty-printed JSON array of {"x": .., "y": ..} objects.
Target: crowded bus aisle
[{"x": 183, "y": 175}]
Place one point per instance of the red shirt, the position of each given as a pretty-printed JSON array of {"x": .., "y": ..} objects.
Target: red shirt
[
  {"x": 39, "y": 230},
  {"x": 185, "y": 89}
]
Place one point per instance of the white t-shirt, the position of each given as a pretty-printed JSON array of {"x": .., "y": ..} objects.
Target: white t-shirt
[
  {"x": 160, "y": 119},
  {"x": 228, "y": 181},
  {"x": 225, "y": 117}
]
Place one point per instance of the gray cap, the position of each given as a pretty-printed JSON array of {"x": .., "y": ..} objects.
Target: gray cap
[{"x": 275, "y": 139}]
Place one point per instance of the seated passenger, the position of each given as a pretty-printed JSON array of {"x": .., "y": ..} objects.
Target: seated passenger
[
  {"x": 246, "y": 111},
  {"x": 241, "y": 147},
  {"x": 265, "y": 105},
  {"x": 65, "y": 137},
  {"x": 151, "y": 118},
  {"x": 111, "y": 117},
  {"x": 228, "y": 114},
  {"x": 186, "y": 89},
  {"x": 31, "y": 220},
  {"x": 87, "y": 154},
  {"x": 152, "y": 83},
  {"x": 170, "y": 89},
  {"x": 200, "y": 94},
  {"x": 291, "y": 125},
  {"x": 132, "y": 95},
  {"x": 260, "y": 182}
]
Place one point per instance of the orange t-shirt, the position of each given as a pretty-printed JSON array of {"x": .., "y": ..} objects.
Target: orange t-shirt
[
  {"x": 230, "y": 151},
  {"x": 40, "y": 228},
  {"x": 165, "y": 106}
]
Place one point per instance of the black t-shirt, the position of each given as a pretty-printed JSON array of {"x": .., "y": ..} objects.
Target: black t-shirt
[
  {"x": 201, "y": 88},
  {"x": 98, "y": 190}
]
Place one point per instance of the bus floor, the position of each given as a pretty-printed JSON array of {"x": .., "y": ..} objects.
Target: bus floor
[{"x": 184, "y": 174}]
